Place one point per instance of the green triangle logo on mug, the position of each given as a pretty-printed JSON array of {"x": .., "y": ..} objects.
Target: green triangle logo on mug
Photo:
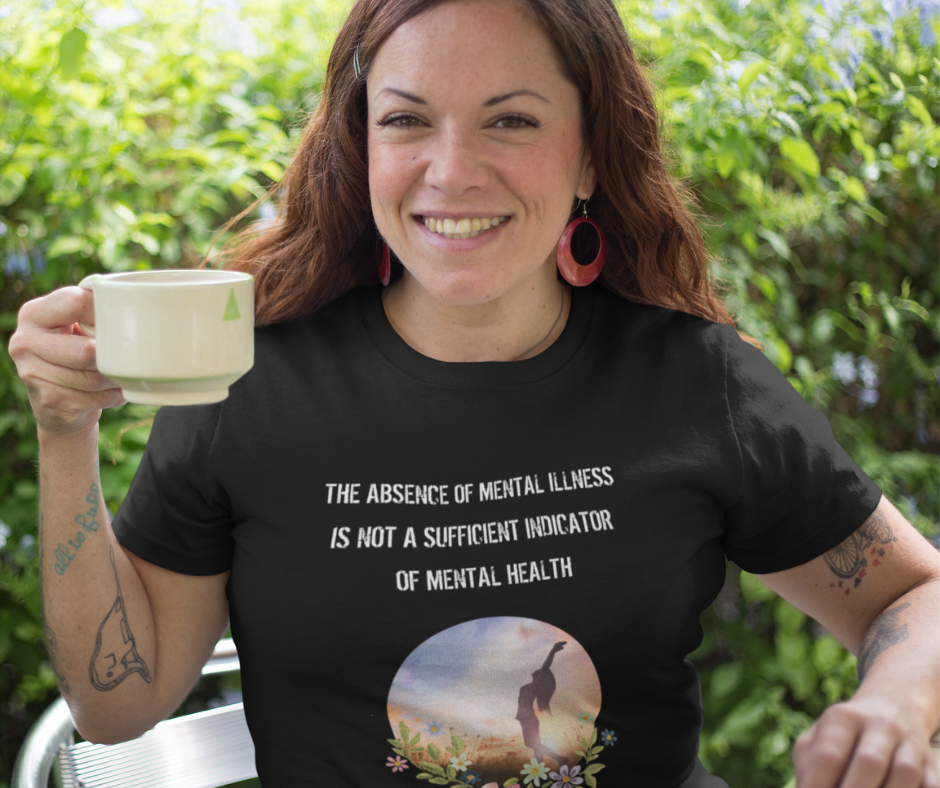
[{"x": 231, "y": 308}]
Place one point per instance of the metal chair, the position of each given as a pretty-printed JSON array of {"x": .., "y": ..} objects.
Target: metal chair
[{"x": 202, "y": 750}]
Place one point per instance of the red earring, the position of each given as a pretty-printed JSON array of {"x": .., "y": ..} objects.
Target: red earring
[
  {"x": 574, "y": 273},
  {"x": 385, "y": 261}
]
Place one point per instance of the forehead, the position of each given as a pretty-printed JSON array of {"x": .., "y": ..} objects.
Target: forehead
[{"x": 469, "y": 45}]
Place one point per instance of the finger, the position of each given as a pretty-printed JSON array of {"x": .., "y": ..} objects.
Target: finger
[
  {"x": 872, "y": 758},
  {"x": 61, "y": 407},
  {"x": 908, "y": 766},
  {"x": 39, "y": 373},
  {"x": 820, "y": 758},
  {"x": 73, "y": 351},
  {"x": 931, "y": 772},
  {"x": 63, "y": 307}
]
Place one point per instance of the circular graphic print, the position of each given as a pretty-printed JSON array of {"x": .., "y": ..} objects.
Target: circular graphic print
[{"x": 493, "y": 697}]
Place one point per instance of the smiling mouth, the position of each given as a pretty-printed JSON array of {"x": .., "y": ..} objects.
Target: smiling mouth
[{"x": 461, "y": 228}]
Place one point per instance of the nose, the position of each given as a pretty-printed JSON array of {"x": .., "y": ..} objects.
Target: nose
[{"x": 456, "y": 163}]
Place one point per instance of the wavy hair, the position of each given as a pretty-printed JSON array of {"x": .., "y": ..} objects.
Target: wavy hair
[{"x": 323, "y": 240}]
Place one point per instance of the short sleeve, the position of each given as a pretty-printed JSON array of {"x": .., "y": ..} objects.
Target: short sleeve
[
  {"x": 801, "y": 494},
  {"x": 175, "y": 515}
]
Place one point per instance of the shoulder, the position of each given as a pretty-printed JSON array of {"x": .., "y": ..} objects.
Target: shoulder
[{"x": 666, "y": 335}]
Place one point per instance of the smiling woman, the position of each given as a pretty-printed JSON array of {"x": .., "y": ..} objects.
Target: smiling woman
[{"x": 471, "y": 139}]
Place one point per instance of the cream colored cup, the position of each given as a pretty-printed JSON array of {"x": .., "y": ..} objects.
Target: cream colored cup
[{"x": 173, "y": 337}]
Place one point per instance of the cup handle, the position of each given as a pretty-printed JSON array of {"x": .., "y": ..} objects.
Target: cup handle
[{"x": 88, "y": 283}]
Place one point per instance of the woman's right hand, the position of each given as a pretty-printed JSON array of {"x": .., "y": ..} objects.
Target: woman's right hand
[{"x": 56, "y": 361}]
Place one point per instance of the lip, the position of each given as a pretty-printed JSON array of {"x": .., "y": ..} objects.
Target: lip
[{"x": 458, "y": 244}]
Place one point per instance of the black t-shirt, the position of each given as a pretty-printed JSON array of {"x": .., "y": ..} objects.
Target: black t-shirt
[{"x": 488, "y": 562}]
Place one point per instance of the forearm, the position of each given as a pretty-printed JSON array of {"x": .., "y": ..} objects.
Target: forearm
[
  {"x": 99, "y": 625},
  {"x": 900, "y": 655}
]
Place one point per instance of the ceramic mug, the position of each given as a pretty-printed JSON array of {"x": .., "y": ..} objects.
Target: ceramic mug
[{"x": 176, "y": 337}]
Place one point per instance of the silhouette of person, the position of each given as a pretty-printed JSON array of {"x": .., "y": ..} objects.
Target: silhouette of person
[{"x": 539, "y": 690}]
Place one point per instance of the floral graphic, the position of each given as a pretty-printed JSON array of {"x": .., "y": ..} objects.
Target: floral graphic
[
  {"x": 472, "y": 778},
  {"x": 432, "y": 729},
  {"x": 585, "y": 718},
  {"x": 534, "y": 772},
  {"x": 564, "y": 777},
  {"x": 460, "y": 763},
  {"x": 608, "y": 738},
  {"x": 398, "y": 763}
]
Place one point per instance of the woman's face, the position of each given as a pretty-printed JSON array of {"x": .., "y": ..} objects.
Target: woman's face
[{"x": 471, "y": 121}]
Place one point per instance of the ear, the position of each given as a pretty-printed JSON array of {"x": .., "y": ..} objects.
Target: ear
[{"x": 588, "y": 180}]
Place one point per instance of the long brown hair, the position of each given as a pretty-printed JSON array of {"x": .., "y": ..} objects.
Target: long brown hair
[{"x": 323, "y": 241}]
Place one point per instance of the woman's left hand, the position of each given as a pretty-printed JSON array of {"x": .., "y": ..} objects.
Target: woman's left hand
[{"x": 865, "y": 742}]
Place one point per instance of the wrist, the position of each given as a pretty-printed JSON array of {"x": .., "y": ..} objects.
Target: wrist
[{"x": 84, "y": 439}]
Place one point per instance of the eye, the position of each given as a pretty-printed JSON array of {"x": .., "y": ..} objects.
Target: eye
[
  {"x": 515, "y": 122},
  {"x": 399, "y": 120}
]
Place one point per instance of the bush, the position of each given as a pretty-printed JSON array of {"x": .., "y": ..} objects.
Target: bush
[{"x": 808, "y": 132}]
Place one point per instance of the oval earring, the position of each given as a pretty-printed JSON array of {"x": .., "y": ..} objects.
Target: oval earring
[
  {"x": 385, "y": 261},
  {"x": 574, "y": 273}
]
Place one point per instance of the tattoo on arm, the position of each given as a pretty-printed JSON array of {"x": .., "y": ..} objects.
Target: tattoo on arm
[
  {"x": 849, "y": 560},
  {"x": 88, "y": 522},
  {"x": 52, "y": 645},
  {"x": 884, "y": 632},
  {"x": 115, "y": 656}
]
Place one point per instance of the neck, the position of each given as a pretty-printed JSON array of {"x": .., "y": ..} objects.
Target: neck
[{"x": 516, "y": 326}]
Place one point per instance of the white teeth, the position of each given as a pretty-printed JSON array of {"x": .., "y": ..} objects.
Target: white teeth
[{"x": 462, "y": 228}]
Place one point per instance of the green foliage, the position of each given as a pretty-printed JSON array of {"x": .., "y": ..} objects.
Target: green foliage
[{"x": 809, "y": 134}]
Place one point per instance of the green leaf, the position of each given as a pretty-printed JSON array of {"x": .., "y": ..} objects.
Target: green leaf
[
  {"x": 415, "y": 740},
  {"x": 751, "y": 73},
  {"x": 451, "y": 772},
  {"x": 394, "y": 742},
  {"x": 801, "y": 154},
  {"x": 423, "y": 776},
  {"x": 597, "y": 750},
  {"x": 12, "y": 183},
  {"x": 855, "y": 189},
  {"x": 919, "y": 110},
  {"x": 457, "y": 744},
  {"x": 439, "y": 781},
  {"x": 434, "y": 768},
  {"x": 71, "y": 52},
  {"x": 590, "y": 781},
  {"x": 898, "y": 82},
  {"x": 725, "y": 679},
  {"x": 594, "y": 768},
  {"x": 434, "y": 752},
  {"x": 594, "y": 737},
  {"x": 68, "y": 244},
  {"x": 403, "y": 730}
]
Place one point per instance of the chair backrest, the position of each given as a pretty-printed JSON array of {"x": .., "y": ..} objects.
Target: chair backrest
[{"x": 202, "y": 750}]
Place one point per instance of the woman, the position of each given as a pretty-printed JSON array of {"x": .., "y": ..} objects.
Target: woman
[
  {"x": 539, "y": 690},
  {"x": 606, "y": 442}
]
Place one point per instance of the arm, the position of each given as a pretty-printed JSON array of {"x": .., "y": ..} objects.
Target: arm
[
  {"x": 127, "y": 639},
  {"x": 878, "y": 592}
]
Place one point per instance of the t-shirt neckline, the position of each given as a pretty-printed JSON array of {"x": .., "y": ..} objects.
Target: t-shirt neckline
[{"x": 530, "y": 370}]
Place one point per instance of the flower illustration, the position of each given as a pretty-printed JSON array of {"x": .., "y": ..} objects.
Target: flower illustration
[
  {"x": 607, "y": 737},
  {"x": 584, "y": 718},
  {"x": 433, "y": 729},
  {"x": 564, "y": 777},
  {"x": 461, "y": 763},
  {"x": 472, "y": 778},
  {"x": 397, "y": 763},
  {"x": 535, "y": 772}
]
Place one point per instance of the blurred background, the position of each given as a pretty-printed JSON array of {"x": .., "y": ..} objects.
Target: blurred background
[{"x": 130, "y": 133}]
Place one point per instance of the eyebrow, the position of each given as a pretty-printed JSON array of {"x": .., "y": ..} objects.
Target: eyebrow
[{"x": 488, "y": 103}]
